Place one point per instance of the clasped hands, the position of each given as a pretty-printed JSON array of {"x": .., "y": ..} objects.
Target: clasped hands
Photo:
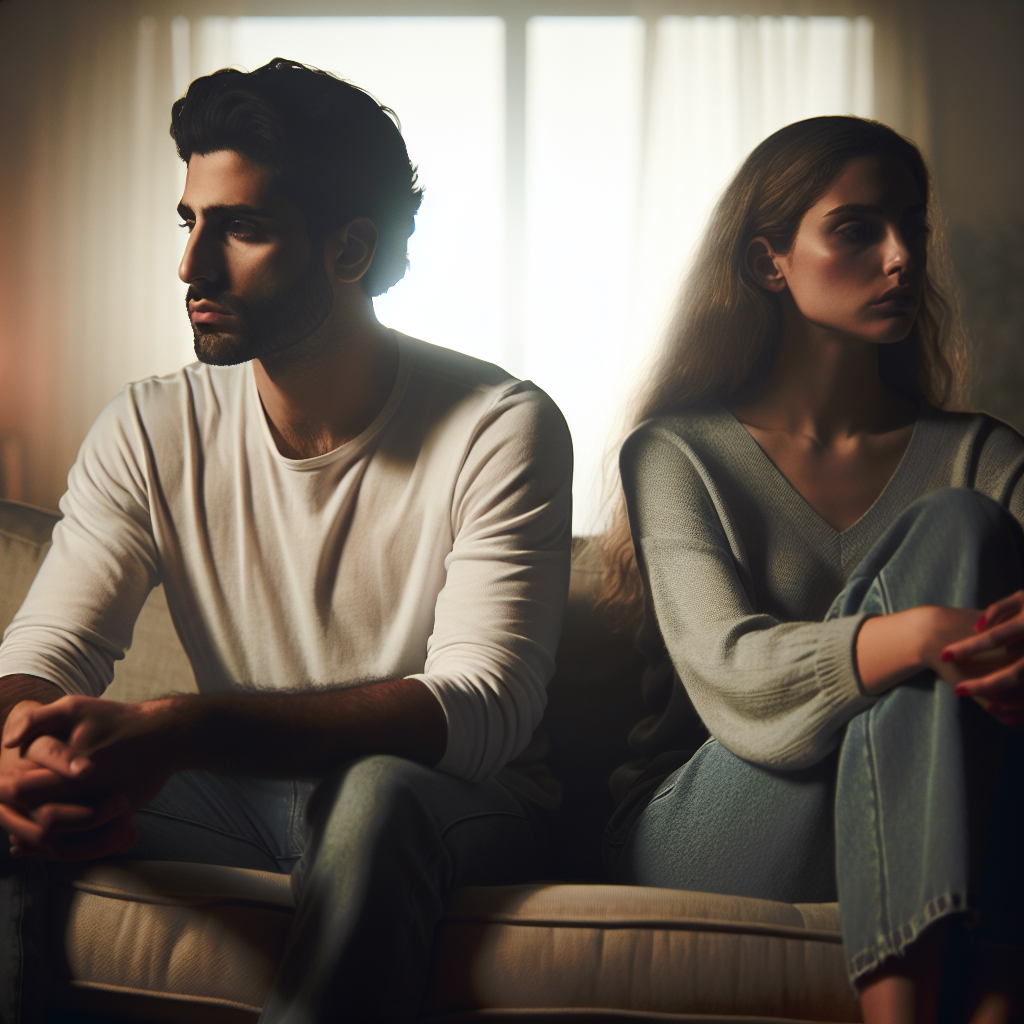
[
  {"x": 73, "y": 772},
  {"x": 989, "y": 666}
]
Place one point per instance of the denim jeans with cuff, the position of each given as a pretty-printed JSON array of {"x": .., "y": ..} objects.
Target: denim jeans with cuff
[{"x": 918, "y": 814}]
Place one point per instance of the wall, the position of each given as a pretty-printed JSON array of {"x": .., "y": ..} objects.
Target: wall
[
  {"x": 955, "y": 82},
  {"x": 976, "y": 86}
]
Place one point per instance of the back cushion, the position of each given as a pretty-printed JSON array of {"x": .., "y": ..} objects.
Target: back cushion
[{"x": 154, "y": 665}]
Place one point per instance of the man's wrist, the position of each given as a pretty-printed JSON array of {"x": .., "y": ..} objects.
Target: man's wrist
[
  {"x": 17, "y": 688},
  {"x": 178, "y": 725}
]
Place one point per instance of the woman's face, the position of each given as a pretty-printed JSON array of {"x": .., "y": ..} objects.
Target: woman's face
[{"x": 856, "y": 265}]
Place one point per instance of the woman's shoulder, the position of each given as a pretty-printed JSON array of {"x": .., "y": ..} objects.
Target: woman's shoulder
[
  {"x": 978, "y": 430},
  {"x": 705, "y": 429},
  {"x": 976, "y": 450},
  {"x": 684, "y": 459}
]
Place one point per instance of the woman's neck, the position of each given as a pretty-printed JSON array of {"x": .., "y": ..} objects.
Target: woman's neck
[{"x": 823, "y": 387}]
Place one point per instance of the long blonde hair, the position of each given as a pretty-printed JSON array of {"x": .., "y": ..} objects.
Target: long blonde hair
[{"x": 726, "y": 330}]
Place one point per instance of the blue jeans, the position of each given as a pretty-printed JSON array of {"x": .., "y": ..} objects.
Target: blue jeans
[
  {"x": 374, "y": 851},
  {"x": 916, "y": 816}
]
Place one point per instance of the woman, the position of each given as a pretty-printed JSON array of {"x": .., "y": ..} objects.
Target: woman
[{"x": 815, "y": 540}]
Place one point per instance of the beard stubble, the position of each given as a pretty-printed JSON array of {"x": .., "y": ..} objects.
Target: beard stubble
[{"x": 267, "y": 326}]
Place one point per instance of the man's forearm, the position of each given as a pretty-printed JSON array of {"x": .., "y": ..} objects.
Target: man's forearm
[
  {"x": 304, "y": 734},
  {"x": 15, "y": 689}
]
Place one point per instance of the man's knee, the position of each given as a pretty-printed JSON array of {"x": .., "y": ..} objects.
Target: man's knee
[{"x": 378, "y": 781}]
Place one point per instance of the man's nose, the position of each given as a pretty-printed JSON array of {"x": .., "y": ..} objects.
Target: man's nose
[{"x": 199, "y": 260}]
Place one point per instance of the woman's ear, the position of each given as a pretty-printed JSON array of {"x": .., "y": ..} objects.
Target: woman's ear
[
  {"x": 763, "y": 265},
  {"x": 350, "y": 249}
]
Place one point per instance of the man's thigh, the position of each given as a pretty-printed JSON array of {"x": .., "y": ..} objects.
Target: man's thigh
[
  {"x": 203, "y": 817},
  {"x": 480, "y": 832}
]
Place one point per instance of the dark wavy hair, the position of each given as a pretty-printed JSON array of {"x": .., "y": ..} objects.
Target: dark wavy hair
[
  {"x": 335, "y": 151},
  {"x": 726, "y": 329}
]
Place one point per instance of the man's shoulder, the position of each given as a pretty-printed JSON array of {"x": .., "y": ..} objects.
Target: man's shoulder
[
  {"x": 451, "y": 381},
  {"x": 453, "y": 396},
  {"x": 429, "y": 362}
]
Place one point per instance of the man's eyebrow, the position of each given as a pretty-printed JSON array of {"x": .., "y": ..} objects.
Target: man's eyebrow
[
  {"x": 230, "y": 211},
  {"x": 867, "y": 208}
]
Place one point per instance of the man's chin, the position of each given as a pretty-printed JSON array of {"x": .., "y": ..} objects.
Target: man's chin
[{"x": 221, "y": 349}]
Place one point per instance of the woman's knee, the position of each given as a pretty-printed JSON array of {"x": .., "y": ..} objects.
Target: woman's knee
[
  {"x": 954, "y": 547},
  {"x": 963, "y": 514}
]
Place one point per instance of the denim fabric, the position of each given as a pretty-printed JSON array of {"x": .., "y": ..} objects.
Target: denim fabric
[
  {"x": 722, "y": 824},
  {"x": 389, "y": 841},
  {"x": 900, "y": 823},
  {"x": 207, "y": 818},
  {"x": 903, "y": 850},
  {"x": 377, "y": 848}
]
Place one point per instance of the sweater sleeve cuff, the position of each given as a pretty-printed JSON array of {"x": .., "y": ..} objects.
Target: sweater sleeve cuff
[{"x": 837, "y": 662}]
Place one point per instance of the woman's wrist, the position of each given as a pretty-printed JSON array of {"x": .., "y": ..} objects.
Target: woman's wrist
[{"x": 893, "y": 648}]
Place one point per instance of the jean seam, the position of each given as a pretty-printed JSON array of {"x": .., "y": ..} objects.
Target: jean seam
[
  {"x": 211, "y": 828},
  {"x": 894, "y": 941},
  {"x": 483, "y": 814},
  {"x": 881, "y": 875}
]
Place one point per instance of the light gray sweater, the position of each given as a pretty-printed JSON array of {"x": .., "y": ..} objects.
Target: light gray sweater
[{"x": 739, "y": 570}]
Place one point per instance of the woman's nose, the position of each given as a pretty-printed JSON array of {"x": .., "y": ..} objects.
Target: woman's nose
[{"x": 898, "y": 255}]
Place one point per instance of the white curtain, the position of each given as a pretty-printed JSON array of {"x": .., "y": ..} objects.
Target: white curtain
[{"x": 632, "y": 127}]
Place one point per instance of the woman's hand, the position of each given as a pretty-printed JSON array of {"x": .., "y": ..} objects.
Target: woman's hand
[{"x": 992, "y": 660}]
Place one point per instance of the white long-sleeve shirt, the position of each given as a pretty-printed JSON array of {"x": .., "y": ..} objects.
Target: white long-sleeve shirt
[{"x": 434, "y": 546}]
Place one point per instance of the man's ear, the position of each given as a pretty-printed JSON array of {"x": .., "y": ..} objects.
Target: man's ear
[
  {"x": 763, "y": 265},
  {"x": 350, "y": 249}
]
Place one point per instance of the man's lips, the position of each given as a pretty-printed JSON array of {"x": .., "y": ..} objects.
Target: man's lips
[{"x": 207, "y": 313}]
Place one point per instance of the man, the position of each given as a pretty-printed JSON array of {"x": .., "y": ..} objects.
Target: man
[{"x": 364, "y": 543}]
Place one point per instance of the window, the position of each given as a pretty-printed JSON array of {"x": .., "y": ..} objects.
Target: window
[{"x": 568, "y": 169}]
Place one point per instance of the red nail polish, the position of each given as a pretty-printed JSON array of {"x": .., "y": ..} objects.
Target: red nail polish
[
  {"x": 979, "y": 625},
  {"x": 946, "y": 656},
  {"x": 961, "y": 691}
]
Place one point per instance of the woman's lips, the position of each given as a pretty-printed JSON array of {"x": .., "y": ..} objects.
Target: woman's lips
[{"x": 899, "y": 303}]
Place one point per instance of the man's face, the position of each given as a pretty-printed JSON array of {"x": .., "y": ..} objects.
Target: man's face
[{"x": 255, "y": 286}]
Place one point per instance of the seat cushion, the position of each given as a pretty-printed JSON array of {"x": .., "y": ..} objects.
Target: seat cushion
[
  {"x": 162, "y": 941},
  {"x": 640, "y": 949},
  {"x": 155, "y": 940}
]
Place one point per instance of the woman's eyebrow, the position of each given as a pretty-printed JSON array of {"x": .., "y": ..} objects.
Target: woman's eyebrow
[
  {"x": 854, "y": 208},
  {"x": 868, "y": 208}
]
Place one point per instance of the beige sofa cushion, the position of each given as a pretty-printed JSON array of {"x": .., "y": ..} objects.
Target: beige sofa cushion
[
  {"x": 168, "y": 941},
  {"x": 640, "y": 949},
  {"x": 150, "y": 938}
]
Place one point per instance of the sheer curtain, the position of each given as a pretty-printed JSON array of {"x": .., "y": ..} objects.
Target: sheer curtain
[{"x": 630, "y": 127}]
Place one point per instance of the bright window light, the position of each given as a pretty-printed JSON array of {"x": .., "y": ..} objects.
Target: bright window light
[
  {"x": 623, "y": 161},
  {"x": 583, "y": 131}
]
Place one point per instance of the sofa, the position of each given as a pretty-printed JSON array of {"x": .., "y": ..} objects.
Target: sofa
[{"x": 173, "y": 942}]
